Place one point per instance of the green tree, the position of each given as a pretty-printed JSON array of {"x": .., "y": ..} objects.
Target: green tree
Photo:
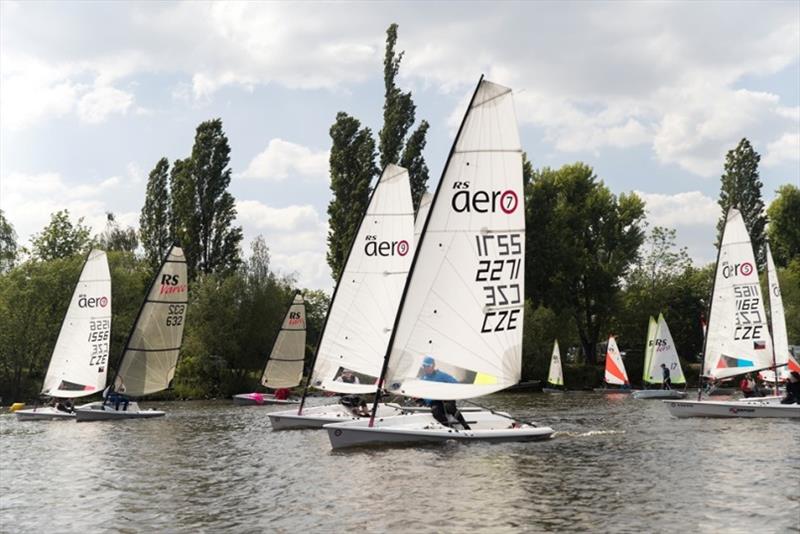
[
  {"x": 741, "y": 188},
  {"x": 414, "y": 162},
  {"x": 317, "y": 303},
  {"x": 184, "y": 223},
  {"x": 154, "y": 220},
  {"x": 215, "y": 210},
  {"x": 116, "y": 238},
  {"x": 8, "y": 244},
  {"x": 784, "y": 225},
  {"x": 60, "y": 238},
  {"x": 398, "y": 117},
  {"x": 581, "y": 241},
  {"x": 661, "y": 259},
  {"x": 527, "y": 170},
  {"x": 352, "y": 166}
]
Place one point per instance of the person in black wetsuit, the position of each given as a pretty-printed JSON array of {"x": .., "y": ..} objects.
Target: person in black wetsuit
[{"x": 666, "y": 381}]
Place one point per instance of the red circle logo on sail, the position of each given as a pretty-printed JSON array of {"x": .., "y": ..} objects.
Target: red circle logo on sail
[
  {"x": 402, "y": 247},
  {"x": 509, "y": 202},
  {"x": 103, "y": 302},
  {"x": 747, "y": 269}
]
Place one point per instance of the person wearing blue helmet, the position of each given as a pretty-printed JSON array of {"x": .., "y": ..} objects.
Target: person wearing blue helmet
[{"x": 444, "y": 411}]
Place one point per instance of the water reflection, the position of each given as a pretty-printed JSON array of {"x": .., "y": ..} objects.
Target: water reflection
[{"x": 616, "y": 464}]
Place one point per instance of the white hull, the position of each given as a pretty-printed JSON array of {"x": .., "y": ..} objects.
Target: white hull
[
  {"x": 741, "y": 408},
  {"x": 317, "y": 416},
  {"x": 97, "y": 411},
  {"x": 260, "y": 399},
  {"x": 45, "y": 413},
  {"x": 659, "y": 394},
  {"x": 423, "y": 428}
]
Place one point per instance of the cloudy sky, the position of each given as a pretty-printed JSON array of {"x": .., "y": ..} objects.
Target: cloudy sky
[{"x": 652, "y": 95}]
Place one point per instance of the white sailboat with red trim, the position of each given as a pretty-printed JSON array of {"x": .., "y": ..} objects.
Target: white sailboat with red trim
[
  {"x": 458, "y": 334},
  {"x": 738, "y": 339},
  {"x": 615, "y": 374}
]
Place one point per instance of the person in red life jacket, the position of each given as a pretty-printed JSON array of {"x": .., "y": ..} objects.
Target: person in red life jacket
[
  {"x": 748, "y": 386},
  {"x": 282, "y": 394}
]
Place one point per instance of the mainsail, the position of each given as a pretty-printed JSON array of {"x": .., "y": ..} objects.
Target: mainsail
[
  {"x": 555, "y": 375},
  {"x": 665, "y": 352},
  {"x": 365, "y": 303},
  {"x": 463, "y": 306},
  {"x": 649, "y": 346},
  {"x": 779, "y": 336},
  {"x": 615, "y": 369},
  {"x": 422, "y": 214},
  {"x": 79, "y": 362},
  {"x": 151, "y": 352},
  {"x": 284, "y": 367},
  {"x": 738, "y": 340}
]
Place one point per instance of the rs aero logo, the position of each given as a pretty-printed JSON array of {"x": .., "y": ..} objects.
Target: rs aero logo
[
  {"x": 170, "y": 283},
  {"x": 92, "y": 302},
  {"x": 373, "y": 247},
  {"x": 466, "y": 200},
  {"x": 744, "y": 269}
]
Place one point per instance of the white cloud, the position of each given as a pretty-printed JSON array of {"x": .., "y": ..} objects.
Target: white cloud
[
  {"x": 96, "y": 105},
  {"x": 785, "y": 148},
  {"x": 283, "y": 159}
]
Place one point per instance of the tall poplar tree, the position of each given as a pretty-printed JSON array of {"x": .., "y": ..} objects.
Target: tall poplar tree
[
  {"x": 398, "y": 117},
  {"x": 218, "y": 246},
  {"x": 741, "y": 188},
  {"x": 352, "y": 166},
  {"x": 183, "y": 218},
  {"x": 154, "y": 221}
]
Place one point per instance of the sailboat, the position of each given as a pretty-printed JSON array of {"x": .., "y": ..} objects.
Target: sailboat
[
  {"x": 284, "y": 368},
  {"x": 738, "y": 340},
  {"x": 784, "y": 361},
  {"x": 79, "y": 362},
  {"x": 461, "y": 313},
  {"x": 555, "y": 375},
  {"x": 661, "y": 351},
  {"x": 615, "y": 373},
  {"x": 363, "y": 307},
  {"x": 151, "y": 352}
]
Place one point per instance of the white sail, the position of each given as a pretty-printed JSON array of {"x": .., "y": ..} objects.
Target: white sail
[
  {"x": 422, "y": 214},
  {"x": 738, "y": 340},
  {"x": 79, "y": 362},
  {"x": 284, "y": 367},
  {"x": 615, "y": 369},
  {"x": 464, "y": 302},
  {"x": 779, "y": 335},
  {"x": 151, "y": 353},
  {"x": 365, "y": 304},
  {"x": 665, "y": 352},
  {"x": 650, "y": 344},
  {"x": 555, "y": 375}
]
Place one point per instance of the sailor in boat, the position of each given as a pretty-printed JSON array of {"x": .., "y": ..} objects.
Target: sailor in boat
[
  {"x": 666, "y": 382},
  {"x": 110, "y": 396},
  {"x": 64, "y": 405},
  {"x": 792, "y": 389},
  {"x": 443, "y": 411}
]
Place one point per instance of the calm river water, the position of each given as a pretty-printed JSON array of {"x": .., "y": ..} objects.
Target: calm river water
[{"x": 615, "y": 465}]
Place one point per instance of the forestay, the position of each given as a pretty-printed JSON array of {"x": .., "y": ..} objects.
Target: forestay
[
  {"x": 555, "y": 375},
  {"x": 615, "y": 369},
  {"x": 284, "y": 367},
  {"x": 650, "y": 344},
  {"x": 79, "y": 362},
  {"x": 464, "y": 303},
  {"x": 738, "y": 340},
  {"x": 151, "y": 353},
  {"x": 365, "y": 304},
  {"x": 666, "y": 353}
]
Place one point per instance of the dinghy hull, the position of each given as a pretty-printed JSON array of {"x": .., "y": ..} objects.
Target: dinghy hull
[
  {"x": 750, "y": 409},
  {"x": 659, "y": 394},
  {"x": 45, "y": 413},
  {"x": 318, "y": 416},
  {"x": 613, "y": 391},
  {"x": 423, "y": 428},
  {"x": 259, "y": 399},
  {"x": 97, "y": 411}
]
